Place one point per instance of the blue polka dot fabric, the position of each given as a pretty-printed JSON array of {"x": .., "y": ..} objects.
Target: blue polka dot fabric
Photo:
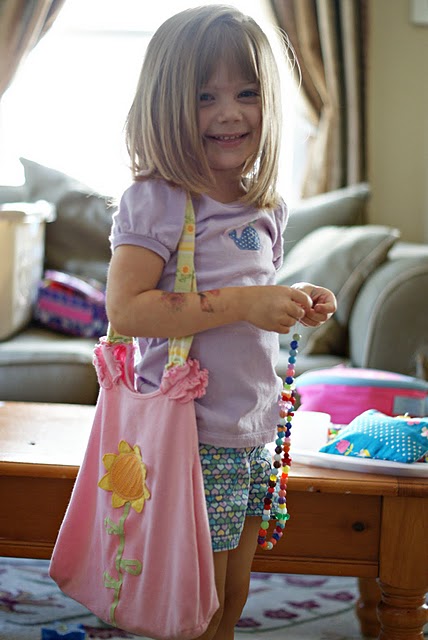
[
  {"x": 376, "y": 435},
  {"x": 248, "y": 240}
]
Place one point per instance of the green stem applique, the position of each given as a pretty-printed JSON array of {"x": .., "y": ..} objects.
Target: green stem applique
[{"x": 133, "y": 567}]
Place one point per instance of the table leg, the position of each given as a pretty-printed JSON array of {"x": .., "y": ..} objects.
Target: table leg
[
  {"x": 403, "y": 568},
  {"x": 402, "y": 613},
  {"x": 366, "y": 607}
]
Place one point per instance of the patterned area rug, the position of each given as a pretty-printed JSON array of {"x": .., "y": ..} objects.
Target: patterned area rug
[{"x": 309, "y": 607}]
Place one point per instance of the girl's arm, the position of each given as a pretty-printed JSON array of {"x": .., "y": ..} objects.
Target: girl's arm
[{"x": 136, "y": 308}]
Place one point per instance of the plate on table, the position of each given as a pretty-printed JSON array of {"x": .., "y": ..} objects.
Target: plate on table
[{"x": 363, "y": 465}]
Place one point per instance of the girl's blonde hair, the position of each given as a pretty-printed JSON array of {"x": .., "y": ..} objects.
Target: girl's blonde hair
[{"x": 162, "y": 131}]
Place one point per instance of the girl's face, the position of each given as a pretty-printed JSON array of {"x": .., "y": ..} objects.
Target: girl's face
[{"x": 230, "y": 119}]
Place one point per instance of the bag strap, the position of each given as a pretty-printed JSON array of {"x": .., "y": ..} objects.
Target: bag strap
[{"x": 185, "y": 282}]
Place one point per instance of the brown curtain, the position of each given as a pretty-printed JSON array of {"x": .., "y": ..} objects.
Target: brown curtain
[
  {"x": 329, "y": 40},
  {"x": 22, "y": 24}
]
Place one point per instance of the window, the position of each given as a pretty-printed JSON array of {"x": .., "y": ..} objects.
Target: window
[{"x": 67, "y": 105}]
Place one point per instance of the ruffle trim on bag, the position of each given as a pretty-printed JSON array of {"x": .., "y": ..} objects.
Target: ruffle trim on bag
[
  {"x": 185, "y": 382},
  {"x": 114, "y": 363}
]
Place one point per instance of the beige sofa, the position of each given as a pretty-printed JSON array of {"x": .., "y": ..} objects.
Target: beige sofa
[{"x": 380, "y": 283}]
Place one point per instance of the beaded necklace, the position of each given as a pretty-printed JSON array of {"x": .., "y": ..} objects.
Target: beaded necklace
[{"x": 281, "y": 458}]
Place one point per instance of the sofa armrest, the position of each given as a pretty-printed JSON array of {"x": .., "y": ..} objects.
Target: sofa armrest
[{"x": 388, "y": 328}]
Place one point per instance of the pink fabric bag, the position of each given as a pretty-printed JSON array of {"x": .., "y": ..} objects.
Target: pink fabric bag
[{"x": 135, "y": 546}]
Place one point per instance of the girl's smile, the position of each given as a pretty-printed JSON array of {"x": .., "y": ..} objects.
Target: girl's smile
[{"x": 228, "y": 141}]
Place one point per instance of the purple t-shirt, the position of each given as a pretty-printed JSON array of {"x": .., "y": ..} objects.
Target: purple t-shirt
[{"x": 236, "y": 245}]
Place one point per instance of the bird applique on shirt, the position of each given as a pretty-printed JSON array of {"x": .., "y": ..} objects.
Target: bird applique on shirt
[{"x": 248, "y": 240}]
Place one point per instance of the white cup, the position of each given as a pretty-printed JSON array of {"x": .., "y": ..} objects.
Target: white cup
[{"x": 309, "y": 430}]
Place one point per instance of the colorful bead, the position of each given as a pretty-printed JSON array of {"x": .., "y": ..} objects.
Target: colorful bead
[{"x": 281, "y": 459}]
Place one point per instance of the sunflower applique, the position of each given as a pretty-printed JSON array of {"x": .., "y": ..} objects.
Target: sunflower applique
[{"x": 125, "y": 477}]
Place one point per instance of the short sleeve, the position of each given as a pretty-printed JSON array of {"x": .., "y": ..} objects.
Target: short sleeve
[
  {"x": 281, "y": 217},
  {"x": 150, "y": 215}
]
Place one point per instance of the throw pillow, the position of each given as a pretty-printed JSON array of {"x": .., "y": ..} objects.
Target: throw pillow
[
  {"x": 45, "y": 183},
  {"x": 77, "y": 242},
  {"x": 345, "y": 207},
  {"x": 341, "y": 259},
  {"x": 376, "y": 435}
]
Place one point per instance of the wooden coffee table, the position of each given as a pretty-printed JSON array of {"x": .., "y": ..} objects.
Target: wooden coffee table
[{"x": 351, "y": 524}]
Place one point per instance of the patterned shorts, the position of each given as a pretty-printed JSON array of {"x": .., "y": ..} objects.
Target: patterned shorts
[{"x": 235, "y": 481}]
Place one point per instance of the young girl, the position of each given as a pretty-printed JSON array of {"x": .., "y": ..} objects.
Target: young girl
[{"x": 206, "y": 121}]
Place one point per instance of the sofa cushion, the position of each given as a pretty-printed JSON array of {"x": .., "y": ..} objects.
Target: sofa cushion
[
  {"x": 345, "y": 207},
  {"x": 78, "y": 241},
  {"x": 330, "y": 337},
  {"x": 38, "y": 365},
  {"x": 341, "y": 259}
]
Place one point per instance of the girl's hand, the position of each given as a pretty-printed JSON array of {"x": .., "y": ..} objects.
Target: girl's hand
[
  {"x": 324, "y": 304},
  {"x": 274, "y": 308}
]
